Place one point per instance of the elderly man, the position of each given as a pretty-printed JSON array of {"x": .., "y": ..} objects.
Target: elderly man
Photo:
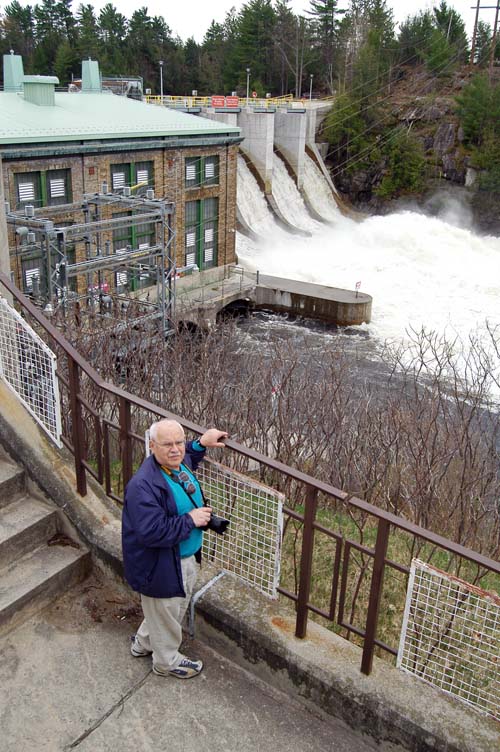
[{"x": 162, "y": 519}]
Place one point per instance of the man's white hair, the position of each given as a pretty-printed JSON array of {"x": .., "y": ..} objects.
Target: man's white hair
[{"x": 153, "y": 429}]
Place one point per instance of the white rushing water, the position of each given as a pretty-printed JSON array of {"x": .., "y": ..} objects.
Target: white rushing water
[
  {"x": 252, "y": 203},
  {"x": 318, "y": 191},
  {"x": 421, "y": 271},
  {"x": 290, "y": 202}
]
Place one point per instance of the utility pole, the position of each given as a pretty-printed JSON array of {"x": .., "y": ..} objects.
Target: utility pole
[
  {"x": 494, "y": 36},
  {"x": 474, "y": 35},
  {"x": 494, "y": 40}
]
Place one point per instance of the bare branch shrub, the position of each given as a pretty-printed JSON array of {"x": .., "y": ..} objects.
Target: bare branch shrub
[{"x": 424, "y": 445}]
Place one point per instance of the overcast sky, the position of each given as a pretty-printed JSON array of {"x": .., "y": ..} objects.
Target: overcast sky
[{"x": 193, "y": 17}]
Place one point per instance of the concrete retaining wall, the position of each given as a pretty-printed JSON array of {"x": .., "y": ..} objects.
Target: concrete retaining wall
[{"x": 331, "y": 304}]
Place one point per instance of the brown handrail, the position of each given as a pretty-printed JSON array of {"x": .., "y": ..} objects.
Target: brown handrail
[{"x": 313, "y": 486}]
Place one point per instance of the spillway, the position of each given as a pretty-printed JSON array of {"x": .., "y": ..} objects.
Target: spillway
[{"x": 421, "y": 271}]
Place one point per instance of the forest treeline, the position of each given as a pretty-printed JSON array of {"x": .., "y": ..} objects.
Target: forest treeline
[
  {"x": 350, "y": 48},
  {"x": 354, "y": 44}
]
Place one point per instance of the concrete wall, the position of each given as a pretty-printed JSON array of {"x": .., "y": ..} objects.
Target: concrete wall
[
  {"x": 229, "y": 118},
  {"x": 332, "y": 304},
  {"x": 290, "y": 138},
  {"x": 258, "y": 129}
]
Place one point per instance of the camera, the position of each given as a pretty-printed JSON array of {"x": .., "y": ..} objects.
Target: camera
[{"x": 217, "y": 524}]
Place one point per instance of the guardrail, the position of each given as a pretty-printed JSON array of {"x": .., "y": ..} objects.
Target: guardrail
[
  {"x": 103, "y": 427},
  {"x": 190, "y": 102}
]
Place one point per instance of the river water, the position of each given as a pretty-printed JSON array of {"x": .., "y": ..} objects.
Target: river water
[{"x": 422, "y": 271}]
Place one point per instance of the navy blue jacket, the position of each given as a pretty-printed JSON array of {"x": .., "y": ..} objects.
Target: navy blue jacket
[{"x": 152, "y": 530}]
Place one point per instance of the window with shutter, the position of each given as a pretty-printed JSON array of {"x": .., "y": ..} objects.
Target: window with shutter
[
  {"x": 31, "y": 275},
  {"x": 28, "y": 188},
  {"x": 57, "y": 188},
  {"x": 118, "y": 180},
  {"x": 27, "y": 191}
]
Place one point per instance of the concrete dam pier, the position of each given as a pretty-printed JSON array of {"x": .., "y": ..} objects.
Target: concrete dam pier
[
  {"x": 331, "y": 304},
  {"x": 202, "y": 297}
]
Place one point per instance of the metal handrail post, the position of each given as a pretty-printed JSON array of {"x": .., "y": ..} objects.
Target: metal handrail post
[
  {"x": 77, "y": 426},
  {"x": 375, "y": 594},
  {"x": 125, "y": 440},
  {"x": 306, "y": 561}
]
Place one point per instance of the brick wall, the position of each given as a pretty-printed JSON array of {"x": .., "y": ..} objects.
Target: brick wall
[{"x": 89, "y": 171}]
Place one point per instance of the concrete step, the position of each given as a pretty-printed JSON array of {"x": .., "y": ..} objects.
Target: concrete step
[
  {"x": 11, "y": 482},
  {"x": 31, "y": 582},
  {"x": 24, "y": 524}
]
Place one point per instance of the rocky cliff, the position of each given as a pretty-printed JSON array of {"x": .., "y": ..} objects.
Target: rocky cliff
[{"x": 426, "y": 106}]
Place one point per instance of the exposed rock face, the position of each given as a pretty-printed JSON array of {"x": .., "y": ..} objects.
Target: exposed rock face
[
  {"x": 444, "y": 140},
  {"x": 431, "y": 118},
  {"x": 454, "y": 168}
]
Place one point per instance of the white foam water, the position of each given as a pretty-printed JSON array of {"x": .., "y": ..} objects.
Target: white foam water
[
  {"x": 421, "y": 271},
  {"x": 252, "y": 203},
  {"x": 318, "y": 191},
  {"x": 290, "y": 202}
]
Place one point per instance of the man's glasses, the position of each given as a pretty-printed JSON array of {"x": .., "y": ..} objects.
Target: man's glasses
[
  {"x": 170, "y": 444},
  {"x": 186, "y": 482}
]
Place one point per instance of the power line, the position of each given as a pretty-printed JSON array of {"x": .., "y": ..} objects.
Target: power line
[{"x": 383, "y": 139}]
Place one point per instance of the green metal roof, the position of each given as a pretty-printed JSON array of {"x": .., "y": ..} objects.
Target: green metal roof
[{"x": 89, "y": 116}]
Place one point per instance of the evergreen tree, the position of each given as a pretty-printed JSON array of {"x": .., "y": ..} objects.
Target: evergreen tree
[
  {"x": 372, "y": 68},
  {"x": 325, "y": 18},
  {"x": 439, "y": 55},
  {"x": 17, "y": 31},
  {"x": 345, "y": 128},
  {"x": 88, "y": 41},
  {"x": 451, "y": 25},
  {"x": 414, "y": 36},
  {"x": 112, "y": 31},
  {"x": 479, "y": 110},
  {"x": 66, "y": 63},
  {"x": 192, "y": 66},
  {"x": 212, "y": 56},
  {"x": 255, "y": 44},
  {"x": 405, "y": 168}
]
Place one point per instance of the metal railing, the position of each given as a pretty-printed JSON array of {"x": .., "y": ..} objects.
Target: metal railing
[
  {"x": 103, "y": 427},
  {"x": 190, "y": 102}
]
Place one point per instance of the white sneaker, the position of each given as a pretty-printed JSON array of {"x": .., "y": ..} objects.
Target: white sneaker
[
  {"x": 136, "y": 650},
  {"x": 186, "y": 669}
]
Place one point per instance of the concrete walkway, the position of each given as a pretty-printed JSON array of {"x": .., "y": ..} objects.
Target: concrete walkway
[{"x": 68, "y": 681}]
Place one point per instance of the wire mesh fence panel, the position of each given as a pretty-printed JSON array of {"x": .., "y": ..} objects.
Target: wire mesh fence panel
[
  {"x": 28, "y": 367},
  {"x": 451, "y": 637},
  {"x": 250, "y": 547}
]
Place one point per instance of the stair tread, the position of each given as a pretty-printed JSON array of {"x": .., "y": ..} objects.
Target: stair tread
[
  {"x": 8, "y": 471},
  {"x": 25, "y": 574},
  {"x": 20, "y": 514}
]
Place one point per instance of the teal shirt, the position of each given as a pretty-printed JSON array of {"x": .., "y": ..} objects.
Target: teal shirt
[{"x": 193, "y": 543}]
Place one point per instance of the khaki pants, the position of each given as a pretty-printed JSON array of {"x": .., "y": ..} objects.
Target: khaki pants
[{"x": 161, "y": 630}]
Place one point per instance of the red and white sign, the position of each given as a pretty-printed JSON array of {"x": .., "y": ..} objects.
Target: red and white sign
[
  {"x": 358, "y": 285},
  {"x": 254, "y": 94},
  {"x": 232, "y": 101},
  {"x": 218, "y": 101}
]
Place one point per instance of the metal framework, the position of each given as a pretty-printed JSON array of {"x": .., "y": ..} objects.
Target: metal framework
[
  {"x": 55, "y": 283},
  {"x": 251, "y": 547},
  {"x": 451, "y": 637},
  {"x": 28, "y": 367}
]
